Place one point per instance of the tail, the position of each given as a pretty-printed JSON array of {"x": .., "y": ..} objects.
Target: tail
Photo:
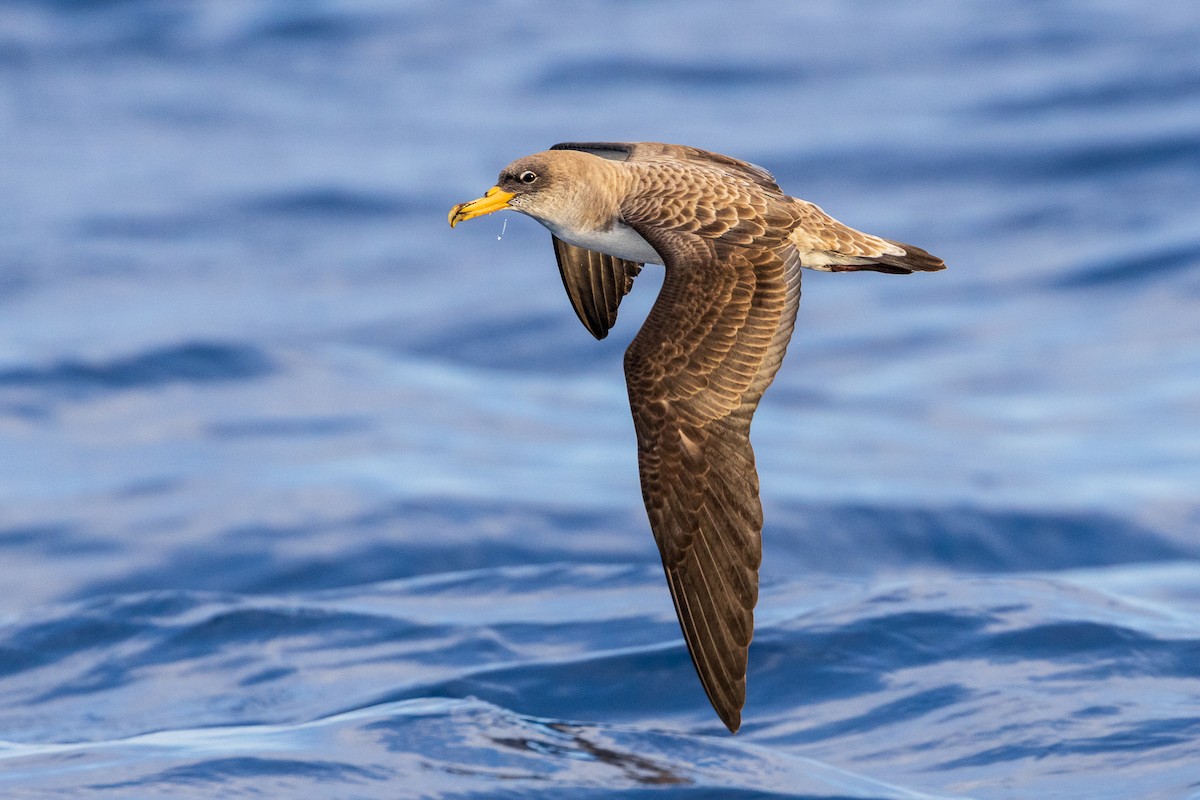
[{"x": 914, "y": 259}]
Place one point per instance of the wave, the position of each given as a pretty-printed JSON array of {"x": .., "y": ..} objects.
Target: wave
[
  {"x": 435, "y": 747},
  {"x": 570, "y": 678}
]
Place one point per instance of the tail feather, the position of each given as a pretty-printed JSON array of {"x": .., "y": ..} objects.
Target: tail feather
[{"x": 914, "y": 260}]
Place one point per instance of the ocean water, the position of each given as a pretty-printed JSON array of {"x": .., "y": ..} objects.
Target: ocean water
[{"x": 303, "y": 494}]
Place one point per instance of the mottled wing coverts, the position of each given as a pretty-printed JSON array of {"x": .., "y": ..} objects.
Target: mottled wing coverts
[{"x": 695, "y": 373}]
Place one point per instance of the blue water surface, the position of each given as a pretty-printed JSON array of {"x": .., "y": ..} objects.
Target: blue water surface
[{"x": 303, "y": 494}]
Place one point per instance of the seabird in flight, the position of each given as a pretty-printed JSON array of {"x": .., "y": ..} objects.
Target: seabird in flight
[{"x": 733, "y": 245}]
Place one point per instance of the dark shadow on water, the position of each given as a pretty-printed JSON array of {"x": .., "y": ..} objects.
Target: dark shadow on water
[
  {"x": 1142, "y": 737},
  {"x": 576, "y": 744},
  {"x": 38, "y": 644},
  {"x": 271, "y": 427},
  {"x": 850, "y": 539},
  {"x": 325, "y": 202},
  {"x": 906, "y": 710},
  {"x": 1140, "y": 268},
  {"x": 598, "y": 73},
  {"x": 56, "y": 539},
  {"x": 192, "y": 362},
  {"x": 532, "y": 757},
  {"x": 1098, "y": 651}
]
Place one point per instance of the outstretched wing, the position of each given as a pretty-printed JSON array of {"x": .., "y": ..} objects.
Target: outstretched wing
[
  {"x": 709, "y": 348},
  {"x": 595, "y": 283}
]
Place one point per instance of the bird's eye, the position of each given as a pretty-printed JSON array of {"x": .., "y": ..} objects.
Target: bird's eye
[{"x": 527, "y": 177}]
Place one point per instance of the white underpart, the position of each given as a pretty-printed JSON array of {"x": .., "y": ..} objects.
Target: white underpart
[{"x": 620, "y": 240}]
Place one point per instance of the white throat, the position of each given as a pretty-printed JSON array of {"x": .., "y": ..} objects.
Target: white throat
[{"x": 620, "y": 240}]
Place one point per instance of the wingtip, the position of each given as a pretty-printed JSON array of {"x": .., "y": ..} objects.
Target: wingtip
[
  {"x": 729, "y": 709},
  {"x": 915, "y": 259}
]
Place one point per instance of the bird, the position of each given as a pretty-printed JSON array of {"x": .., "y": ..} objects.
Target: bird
[{"x": 733, "y": 245}]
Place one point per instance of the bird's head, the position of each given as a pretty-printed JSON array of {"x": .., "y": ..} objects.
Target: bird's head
[{"x": 546, "y": 186}]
